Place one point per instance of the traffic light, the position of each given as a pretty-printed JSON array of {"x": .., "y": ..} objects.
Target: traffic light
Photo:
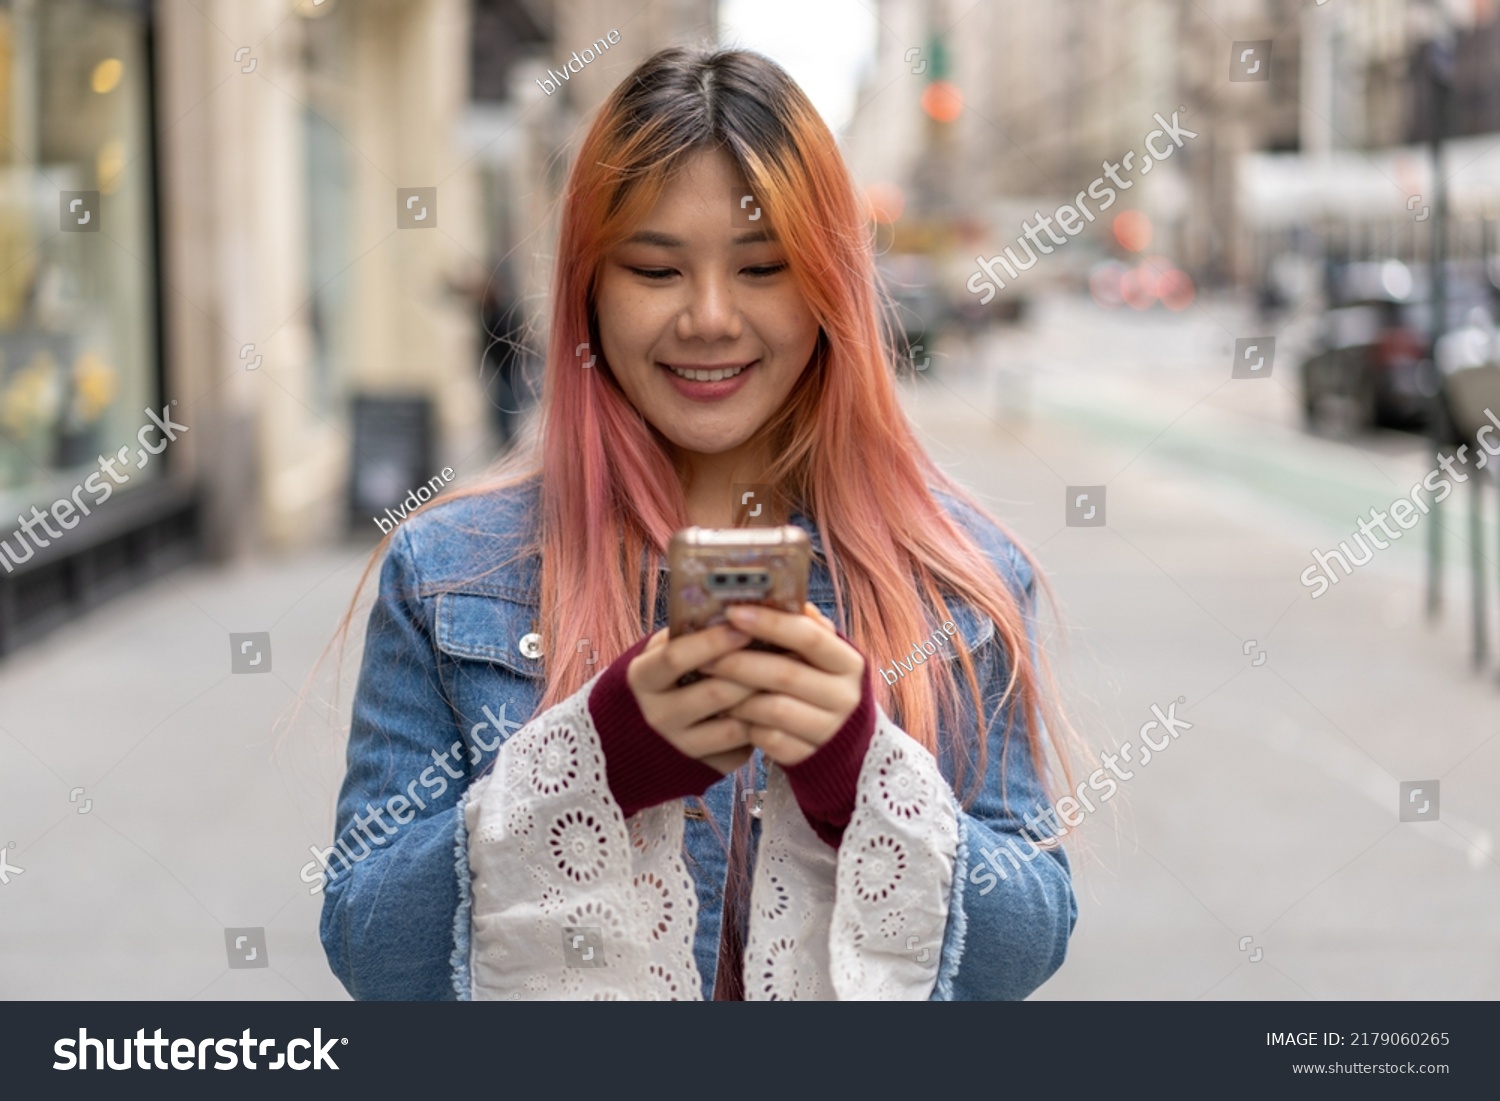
[{"x": 941, "y": 99}]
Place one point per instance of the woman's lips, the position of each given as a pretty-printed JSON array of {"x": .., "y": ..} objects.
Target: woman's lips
[{"x": 707, "y": 391}]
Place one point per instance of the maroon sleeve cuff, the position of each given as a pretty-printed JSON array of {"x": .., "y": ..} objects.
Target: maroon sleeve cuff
[
  {"x": 826, "y": 783},
  {"x": 643, "y": 768}
]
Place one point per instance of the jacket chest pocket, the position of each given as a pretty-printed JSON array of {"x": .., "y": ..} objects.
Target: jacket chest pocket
[
  {"x": 970, "y": 624},
  {"x": 491, "y": 667}
]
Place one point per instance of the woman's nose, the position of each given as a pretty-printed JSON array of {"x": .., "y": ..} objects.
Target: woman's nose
[{"x": 711, "y": 312}]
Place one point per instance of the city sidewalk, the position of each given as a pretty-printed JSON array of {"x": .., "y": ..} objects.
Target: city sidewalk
[{"x": 155, "y": 799}]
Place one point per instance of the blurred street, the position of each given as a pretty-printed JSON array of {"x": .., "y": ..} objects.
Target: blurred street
[{"x": 1274, "y": 818}]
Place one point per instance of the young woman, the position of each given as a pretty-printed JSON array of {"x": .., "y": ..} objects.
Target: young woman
[{"x": 533, "y": 808}]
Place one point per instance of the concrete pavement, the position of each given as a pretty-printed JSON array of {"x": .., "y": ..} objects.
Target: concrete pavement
[
  {"x": 201, "y": 790},
  {"x": 1276, "y": 817}
]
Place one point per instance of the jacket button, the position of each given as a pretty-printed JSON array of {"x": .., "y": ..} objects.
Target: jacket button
[{"x": 531, "y": 645}]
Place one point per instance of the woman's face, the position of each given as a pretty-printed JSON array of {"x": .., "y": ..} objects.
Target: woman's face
[{"x": 701, "y": 321}]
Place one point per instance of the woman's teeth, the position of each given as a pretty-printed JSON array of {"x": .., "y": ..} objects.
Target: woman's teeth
[{"x": 715, "y": 375}]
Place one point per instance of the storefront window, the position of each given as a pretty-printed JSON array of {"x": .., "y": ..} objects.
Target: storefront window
[{"x": 77, "y": 243}]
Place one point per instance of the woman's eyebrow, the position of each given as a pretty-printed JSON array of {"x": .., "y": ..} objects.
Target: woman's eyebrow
[
  {"x": 650, "y": 237},
  {"x": 755, "y": 236},
  {"x": 666, "y": 240}
]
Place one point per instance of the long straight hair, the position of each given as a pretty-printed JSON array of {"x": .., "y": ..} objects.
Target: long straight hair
[{"x": 610, "y": 494}]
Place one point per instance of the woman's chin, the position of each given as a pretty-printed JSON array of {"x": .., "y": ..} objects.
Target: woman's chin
[
  {"x": 709, "y": 447},
  {"x": 707, "y": 442}
]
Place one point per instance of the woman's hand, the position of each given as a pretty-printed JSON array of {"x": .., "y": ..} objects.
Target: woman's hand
[
  {"x": 693, "y": 718},
  {"x": 799, "y": 700}
]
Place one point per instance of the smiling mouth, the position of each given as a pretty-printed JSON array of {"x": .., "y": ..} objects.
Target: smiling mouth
[{"x": 714, "y": 374}]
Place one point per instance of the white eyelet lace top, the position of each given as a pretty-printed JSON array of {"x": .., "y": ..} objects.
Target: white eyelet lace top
[{"x": 570, "y": 900}]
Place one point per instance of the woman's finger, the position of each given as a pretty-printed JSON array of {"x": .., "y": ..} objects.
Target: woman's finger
[
  {"x": 812, "y": 611},
  {"x": 702, "y": 699},
  {"x": 810, "y": 724},
  {"x": 801, "y": 634},
  {"x": 718, "y": 735},
  {"x": 780, "y": 673},
  {"x": 659, "y": 666},
  {"x": 780, "y": 746},
  {"x": 725, "y": 763}
]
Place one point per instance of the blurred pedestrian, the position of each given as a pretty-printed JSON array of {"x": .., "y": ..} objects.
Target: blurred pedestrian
[{"x": 503, "y": 369}]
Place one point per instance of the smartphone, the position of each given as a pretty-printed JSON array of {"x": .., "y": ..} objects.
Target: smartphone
[{"x": 712, "y": 568}]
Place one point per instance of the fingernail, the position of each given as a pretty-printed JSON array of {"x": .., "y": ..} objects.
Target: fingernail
[
  {"x": 743, "y": 613},
  {"x": 736, "y": 636}
]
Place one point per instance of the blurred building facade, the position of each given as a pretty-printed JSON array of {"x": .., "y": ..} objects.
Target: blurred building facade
[
  {"x": 280, "y": 231},
  {"x": 1363, "y": 178},
  {"x": 81, "y": 313},
  {"x": 278, "y": 207},
  {"x": 1051, "y": 92}
]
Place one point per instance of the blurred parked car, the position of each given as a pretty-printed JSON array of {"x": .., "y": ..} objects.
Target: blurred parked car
[
  {"x": 919, "y": 305},
  {"x": 1468, "y": 360},
  {"x": 1372, "y": 363}
]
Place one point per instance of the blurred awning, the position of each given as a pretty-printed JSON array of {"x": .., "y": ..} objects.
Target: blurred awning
[{"x": 1277, "y": 190}]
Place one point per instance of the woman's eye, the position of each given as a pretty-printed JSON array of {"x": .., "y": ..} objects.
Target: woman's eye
[{"x": 761, "y": 271}]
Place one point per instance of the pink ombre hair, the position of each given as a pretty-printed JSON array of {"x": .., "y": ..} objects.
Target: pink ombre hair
[{"x": 610, "y": 494}]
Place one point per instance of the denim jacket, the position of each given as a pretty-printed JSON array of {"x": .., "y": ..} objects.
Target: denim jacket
[{"x": 452, "y": 668}]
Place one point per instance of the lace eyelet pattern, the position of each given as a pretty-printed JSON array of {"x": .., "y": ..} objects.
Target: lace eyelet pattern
[
  {"x": 579, "y": 845},
  {"x": 778, "y": 969},
  {"x": 554, "y": 761},
  {"x": 863, "y": 920},
  {"x": 903, "y": 790},
  {"x": 775, "y": 901},
  {"x": 571, "y": 900},
  {"x": 879, "y": 868}
]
